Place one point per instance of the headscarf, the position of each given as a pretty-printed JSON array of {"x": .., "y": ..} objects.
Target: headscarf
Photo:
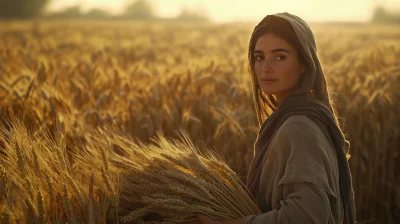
[{"x": 300, "y": 103}]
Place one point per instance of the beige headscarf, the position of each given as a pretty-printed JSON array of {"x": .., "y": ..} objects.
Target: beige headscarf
[
  {"x": 316, "y": 108},
  {"x": 308, "y": 45}
]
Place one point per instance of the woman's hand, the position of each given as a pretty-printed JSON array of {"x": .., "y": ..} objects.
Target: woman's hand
[{"x": 203, "y": 219}]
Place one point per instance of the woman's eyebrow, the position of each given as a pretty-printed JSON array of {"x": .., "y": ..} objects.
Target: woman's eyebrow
[
  {"x": 280, "y": 49},
  {"x": 273, "y": 51}
]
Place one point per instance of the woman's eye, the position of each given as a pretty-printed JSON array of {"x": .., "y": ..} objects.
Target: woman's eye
[
  {"x": 259, "y": 58},
  {"x": 280, "y": 57}
]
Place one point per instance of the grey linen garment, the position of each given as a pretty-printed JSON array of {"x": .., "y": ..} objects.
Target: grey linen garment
[
  {"x": 296, "y": 175},
  {"x": 300, "y": 178},
  {"x": 300, "y": 171}
]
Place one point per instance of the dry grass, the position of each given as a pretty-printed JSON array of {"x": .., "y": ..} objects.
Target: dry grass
[{"x": 140, "y": 79}]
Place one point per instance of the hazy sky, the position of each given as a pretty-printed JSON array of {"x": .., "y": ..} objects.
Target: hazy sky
[{"x": 251, "y": 10}]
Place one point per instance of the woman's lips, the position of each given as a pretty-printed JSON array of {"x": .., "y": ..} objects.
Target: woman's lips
[{"x": 269, "y": 80}]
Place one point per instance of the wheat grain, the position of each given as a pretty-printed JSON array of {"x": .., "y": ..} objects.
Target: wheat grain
[
  {"x": 67, "y": 202},
  {"x": 40, "y": 208},
  {"x": 50, "y": 188},
  {"x": 20, "y": 159},
  {"x": 107, "y": 181},
  {"x": 136, "y": 215},
  {"x": 77, "y": 190},
  {"x": 91, "y": 211}
]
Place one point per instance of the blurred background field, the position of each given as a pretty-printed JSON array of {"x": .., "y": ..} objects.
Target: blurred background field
[{"x": 140, "y": 74}]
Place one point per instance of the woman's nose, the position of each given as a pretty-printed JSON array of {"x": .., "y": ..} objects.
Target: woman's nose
[{"x": 267, "y": 66}]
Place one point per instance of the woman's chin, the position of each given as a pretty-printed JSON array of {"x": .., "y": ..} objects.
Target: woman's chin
[{"x": 269, "y": 91}]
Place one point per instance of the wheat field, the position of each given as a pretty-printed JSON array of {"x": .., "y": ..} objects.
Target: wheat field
[{"x": 62, "y": 82}]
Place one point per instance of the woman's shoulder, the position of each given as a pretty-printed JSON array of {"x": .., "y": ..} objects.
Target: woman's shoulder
[
  {"x": 299, "y": 123},
  {"x": 300, "y": 134},
  {"x": 306, "y": 153}
]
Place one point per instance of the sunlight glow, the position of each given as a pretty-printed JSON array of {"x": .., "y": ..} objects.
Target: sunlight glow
[{"x": 250, "y": 10}]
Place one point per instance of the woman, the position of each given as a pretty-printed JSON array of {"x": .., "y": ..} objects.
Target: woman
[{"x": 300, "y": 172}]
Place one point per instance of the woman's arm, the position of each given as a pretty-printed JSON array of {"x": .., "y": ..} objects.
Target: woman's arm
[{"x": 304, "y": 203}]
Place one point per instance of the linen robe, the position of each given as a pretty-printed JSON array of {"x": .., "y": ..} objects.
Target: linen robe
[{"x": 300, "y": 178}]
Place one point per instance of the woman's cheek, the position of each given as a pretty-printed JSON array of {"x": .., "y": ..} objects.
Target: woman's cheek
[
  {"x": 258, "y": 70},
  {"x": 285, "y": 69},
  {"x": 282, "y": 67}
]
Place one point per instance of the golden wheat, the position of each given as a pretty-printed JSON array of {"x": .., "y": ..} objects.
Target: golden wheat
[{"x": 63, "y": 81}]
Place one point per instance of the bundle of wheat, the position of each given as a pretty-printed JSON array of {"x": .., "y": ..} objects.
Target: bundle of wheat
[
  {"x": 172, "y": 180},
  {"x": 107, "y": 176}
]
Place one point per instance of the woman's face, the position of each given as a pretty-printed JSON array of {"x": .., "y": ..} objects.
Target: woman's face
[{"x": 276, "y": 66}]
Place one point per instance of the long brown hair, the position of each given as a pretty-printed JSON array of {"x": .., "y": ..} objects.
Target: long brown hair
[{"x": 312, "y": 82}]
